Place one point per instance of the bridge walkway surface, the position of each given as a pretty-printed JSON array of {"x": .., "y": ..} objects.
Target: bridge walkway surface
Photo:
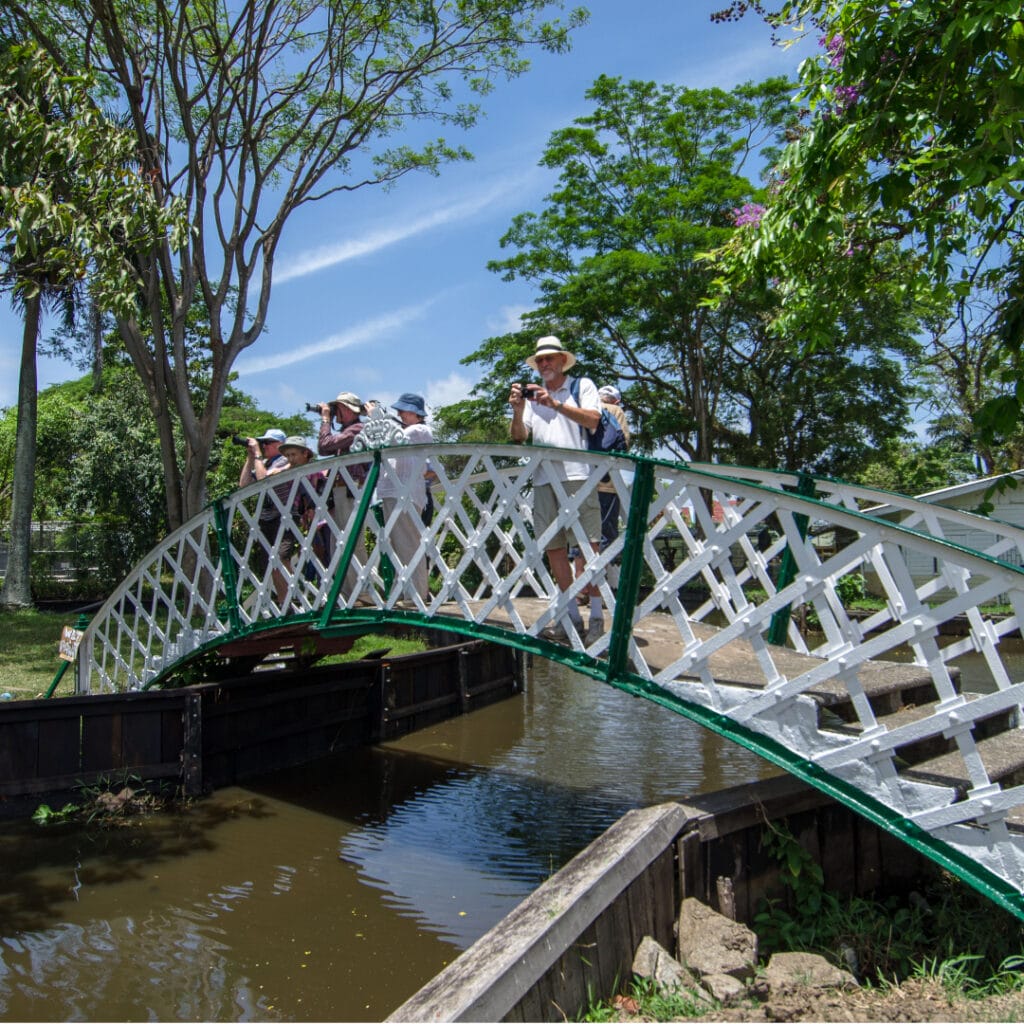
[{"x": 726, "y": 597}]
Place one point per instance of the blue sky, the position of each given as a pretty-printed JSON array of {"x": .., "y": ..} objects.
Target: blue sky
[{"x": 383, "y": 292}]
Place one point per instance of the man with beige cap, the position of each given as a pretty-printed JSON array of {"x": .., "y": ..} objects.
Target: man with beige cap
[
  {"x": 346, "y": 410},
  {"x": 553, "y": 417}
]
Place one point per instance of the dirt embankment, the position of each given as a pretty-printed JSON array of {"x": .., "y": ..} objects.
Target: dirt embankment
[{"x": 913, "y": 1001}]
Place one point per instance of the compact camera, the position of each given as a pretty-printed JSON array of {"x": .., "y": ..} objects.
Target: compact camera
[{"x": 531, "y": 391}]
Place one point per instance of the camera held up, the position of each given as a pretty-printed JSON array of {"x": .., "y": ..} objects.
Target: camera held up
[
  {"x": 242, "y": 442},
  {"x": 313, "y": 406}
]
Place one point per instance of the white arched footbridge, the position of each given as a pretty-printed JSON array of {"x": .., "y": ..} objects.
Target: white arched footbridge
[{"x": 724, "y": 598}]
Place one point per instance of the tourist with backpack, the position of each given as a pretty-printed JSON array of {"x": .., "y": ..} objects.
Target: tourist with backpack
[
  {"x": 611, "y": 435},
  {"x": 611, "y": 405},
  {"x": 560, "y": 412}
]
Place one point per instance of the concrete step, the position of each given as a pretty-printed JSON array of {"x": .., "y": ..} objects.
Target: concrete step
[
  {"x": 922, "y": 750},
  {"x": 1002, "y": 755},
  {"x": 890, "y": 686}
]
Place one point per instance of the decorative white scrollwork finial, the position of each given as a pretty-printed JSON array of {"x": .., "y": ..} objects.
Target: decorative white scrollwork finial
[{"x": 379, "y": 431}]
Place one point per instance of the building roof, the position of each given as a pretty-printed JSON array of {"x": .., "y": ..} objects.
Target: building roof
[{"x": 947, "y": 494}]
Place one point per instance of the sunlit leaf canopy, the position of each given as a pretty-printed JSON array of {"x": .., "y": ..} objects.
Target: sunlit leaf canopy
[
  {"x": 73, "y": 200},
  {"x": 916, "y": 137},
  {"x": 246, "y": 111}
]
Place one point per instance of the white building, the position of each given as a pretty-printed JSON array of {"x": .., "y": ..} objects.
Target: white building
[{"x": 1007, "y": 505}]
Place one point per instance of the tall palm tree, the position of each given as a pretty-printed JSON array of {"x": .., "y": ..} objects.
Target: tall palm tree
[
  {"x": 36, "y": 283},
  {"x": 17, "y": 588}
]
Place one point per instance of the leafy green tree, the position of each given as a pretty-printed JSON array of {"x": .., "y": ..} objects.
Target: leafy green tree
[
  {"x": 69, "y": 205},
  {"x": 649, "y": 180},
  {"x": 249, "y": 111},
  {"x": 963, "y": 368},
  {"x": 915, "y": 139},
  {"x": 916, "y": 467},
  {"x": 99, "y": 467},
  {"x": 827, "y": 411}
]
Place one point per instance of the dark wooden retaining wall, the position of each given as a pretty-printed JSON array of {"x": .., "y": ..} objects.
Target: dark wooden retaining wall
[
  {"x": 215, "y": 734},
  {"x": 572, "y": 941}
]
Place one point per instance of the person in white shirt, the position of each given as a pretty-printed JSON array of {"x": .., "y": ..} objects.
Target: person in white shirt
[
  {"x": 549, "y": 415},
  {"x": 404, "y": 473}
]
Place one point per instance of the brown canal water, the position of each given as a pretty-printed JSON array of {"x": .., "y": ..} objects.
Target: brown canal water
[{"x": 333, "y": 892}]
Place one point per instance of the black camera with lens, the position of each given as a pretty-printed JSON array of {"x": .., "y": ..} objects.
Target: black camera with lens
[
  {"x": 242, "y": 442},
  {"x": 313, "y": 406},
  {"x": 531, "y": 391}
]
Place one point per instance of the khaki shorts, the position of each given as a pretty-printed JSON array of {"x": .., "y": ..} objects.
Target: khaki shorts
[{"x": 545, "y": 512}]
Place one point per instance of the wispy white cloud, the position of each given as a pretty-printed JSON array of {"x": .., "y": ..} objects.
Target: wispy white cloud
[
  {"x": 452, "y": 388},
  {"x": 507, "y": 319},
  {"x": 370, "y": 330},
  {"x": 329, "y": 255},
  {"x": 753, "y": 63}
]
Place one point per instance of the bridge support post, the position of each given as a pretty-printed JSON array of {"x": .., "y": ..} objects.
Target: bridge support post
[
  {"x": 355, "y": 525},
  {"x": 192, "y": 744},
  {"x": 227, "y": 565},
  {"x": 632, "y": 566},
  {"x": 464, "y": 681}
]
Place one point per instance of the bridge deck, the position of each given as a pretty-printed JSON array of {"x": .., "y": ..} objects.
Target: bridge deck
[{"x": 758, "y": 552}]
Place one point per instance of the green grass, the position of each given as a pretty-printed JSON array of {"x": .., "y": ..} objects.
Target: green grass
[
  {"x": 368, "y": 642},
  {"x": 28, "y": 653},
  {"x": 644, "y": 1000}
]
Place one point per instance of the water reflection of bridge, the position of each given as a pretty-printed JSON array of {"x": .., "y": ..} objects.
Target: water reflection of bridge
[{"x": 899, "y": 742}]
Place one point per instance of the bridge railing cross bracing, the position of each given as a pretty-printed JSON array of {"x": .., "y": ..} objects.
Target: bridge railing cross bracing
[{"x": 694, "y": 600}]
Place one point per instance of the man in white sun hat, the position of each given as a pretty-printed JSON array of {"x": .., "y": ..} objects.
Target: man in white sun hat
[{"x": 548, "y": 414}]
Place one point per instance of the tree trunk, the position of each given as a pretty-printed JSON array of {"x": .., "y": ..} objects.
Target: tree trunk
[
  {"x": 96, "y": 332},
  {"x": 17, "y": 589}
]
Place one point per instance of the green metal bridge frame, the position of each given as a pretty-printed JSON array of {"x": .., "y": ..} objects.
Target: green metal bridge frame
[{"x": 749, "y": 540}]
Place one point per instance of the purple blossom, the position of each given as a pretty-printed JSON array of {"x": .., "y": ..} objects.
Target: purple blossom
[
  {"x": 846, "y": 97},
  {"x": 836, "y": 47},
  {"x": 748, "y": 213}
]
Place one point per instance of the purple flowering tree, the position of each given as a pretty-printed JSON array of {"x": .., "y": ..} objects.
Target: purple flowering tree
[{"x": 915, "y": 142}]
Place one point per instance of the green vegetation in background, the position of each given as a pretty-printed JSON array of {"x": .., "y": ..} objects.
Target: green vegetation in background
[
  {"x": 352, "y": 78},
  {"x": 913, "y": 139},
  {"x": 98, "y": 469},
  {"x": 652, "y": 176},
  {"x": 28, "y": 656}
]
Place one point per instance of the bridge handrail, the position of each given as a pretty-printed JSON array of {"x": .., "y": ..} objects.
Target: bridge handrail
[
  {"x": 688, "y": 530},
  {"x": 923, "y": 516}
]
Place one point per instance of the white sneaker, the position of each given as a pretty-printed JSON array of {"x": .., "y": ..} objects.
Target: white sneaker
[{"x": 594, "y": 632}]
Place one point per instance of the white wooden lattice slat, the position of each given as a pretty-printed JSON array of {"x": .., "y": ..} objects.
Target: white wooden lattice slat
[{"x": 490, "y": 570}]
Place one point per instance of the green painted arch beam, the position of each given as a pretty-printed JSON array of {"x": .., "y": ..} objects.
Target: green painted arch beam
[{"x": 693, "y": 597}]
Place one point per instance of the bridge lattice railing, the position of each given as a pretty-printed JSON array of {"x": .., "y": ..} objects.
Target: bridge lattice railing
[{"x": 698, "y": 548}]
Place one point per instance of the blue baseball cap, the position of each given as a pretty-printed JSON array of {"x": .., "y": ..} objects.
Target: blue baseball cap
[{"x": 272, "y": 435}]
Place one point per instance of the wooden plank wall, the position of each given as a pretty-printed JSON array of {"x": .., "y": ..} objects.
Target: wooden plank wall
[
  {"x": 572, "y": 941},
  {"x": 215, "y": 734},
  {"x": 53, "y": 748}
]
